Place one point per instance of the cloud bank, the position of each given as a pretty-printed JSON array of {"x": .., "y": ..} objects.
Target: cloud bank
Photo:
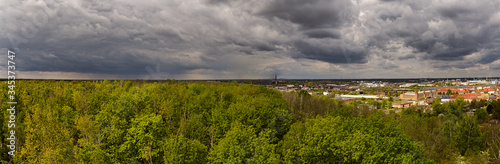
[{"x": 214, "y": 39}]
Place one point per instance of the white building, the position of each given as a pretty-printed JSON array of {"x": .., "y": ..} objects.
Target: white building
[
  {"x": 360, "y": 96},
  {"x": 408, "y": 85}
]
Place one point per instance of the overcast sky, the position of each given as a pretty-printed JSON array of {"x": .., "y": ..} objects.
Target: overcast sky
[{"x": 245, "y": 39}]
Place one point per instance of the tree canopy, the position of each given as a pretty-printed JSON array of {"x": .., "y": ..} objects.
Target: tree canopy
[{"x": 213, "y": 122}]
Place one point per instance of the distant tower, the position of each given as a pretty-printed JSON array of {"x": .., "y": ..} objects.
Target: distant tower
[{"x": 275, "y": 79}]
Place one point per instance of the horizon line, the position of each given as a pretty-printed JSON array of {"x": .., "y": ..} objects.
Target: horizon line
[{"x": 229, "y": 79}]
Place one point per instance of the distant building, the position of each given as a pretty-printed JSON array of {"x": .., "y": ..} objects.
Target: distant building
[
  {"x": 418, "y": 95},
  {"x": 381, "y": 94},
  {"x": 360, "y": 96},
  {"x": 373, "y": 84},
  {"x": 471, "y": 96},
  {"x": 402, "y": 105},
  {"x": 445, "y": 99},
  {"x": 408, "y": 85}
]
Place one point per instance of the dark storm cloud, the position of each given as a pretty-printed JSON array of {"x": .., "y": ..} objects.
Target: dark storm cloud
[
  {"x": 256, "y": 45},
  {"x": 407, "y": 57},
  {"x": 388, "y": 65},
  {"x": 489, "y": 57},
  {"x": 336, "y": 54},
  {"x": 459, "y": 65},
  {"x": 450, "y": 37},
  {"x": 437, "y": 30},
  {"x": 322, "y": 33},
  {"x": 122, "y": 37},
  {"x": 452, "y": 12},
  {"x": 448, "y": 49},
  {"x": 310, "y": 14},
  {"x": 113, "y": 63},
  {"x": 88, "y": 38},
  {"x": 217, "y": 1},
  {"x": 84, "y": 56},
  {"x": 318, "y": 19}
]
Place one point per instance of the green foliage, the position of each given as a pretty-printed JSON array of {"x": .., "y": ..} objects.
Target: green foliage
[
  {"x": 493, "y": 142},
  {"x": 490, "y": 108},
  {"x": 183, "y": 150},
  {"x": 143, "y": 139},
  {"x": 437, "y": 107},
  {"x": 303, "y": 105},
  {"x": 211, "y": 122},
  {"x": 348, "y": 140},
  {"x": 495, "y": 109},
  {"x": 304, "y": 93},
  {"x": 48, "y": 136},
  {"x": 88, "y": 148},
  {"x": 469, "y": 139},
  {"x": 242, "y": 145},
  {"x": 429, "y": 132},
  {"x": 142, "y": 122},
  {"x": 481, "y": 115}
]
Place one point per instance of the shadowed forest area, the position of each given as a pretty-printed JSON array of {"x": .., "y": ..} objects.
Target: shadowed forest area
[{"x": 212, "y": 122}]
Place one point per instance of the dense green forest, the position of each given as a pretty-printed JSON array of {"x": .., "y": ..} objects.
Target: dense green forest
[{"x": 204, "y": 122}]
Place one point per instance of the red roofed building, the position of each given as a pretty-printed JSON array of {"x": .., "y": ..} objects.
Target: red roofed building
[
  {"x": 471, "y": 96},
  {"x": 418, "y": 95}
]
